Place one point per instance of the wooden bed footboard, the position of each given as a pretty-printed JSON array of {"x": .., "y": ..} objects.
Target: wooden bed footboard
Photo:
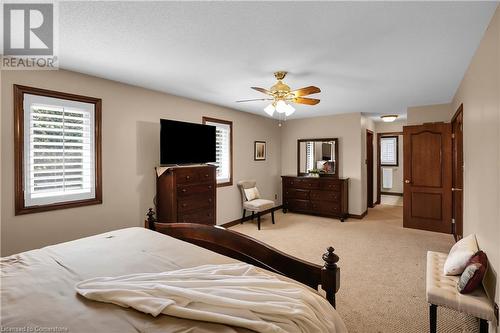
[{"x": 247, "y": 249}]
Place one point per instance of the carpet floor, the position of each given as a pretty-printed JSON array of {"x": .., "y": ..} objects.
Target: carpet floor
[{"x": 382, "y": 266}]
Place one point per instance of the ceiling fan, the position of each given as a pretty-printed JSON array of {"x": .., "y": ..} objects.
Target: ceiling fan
[{"x": 281, "y": 96}]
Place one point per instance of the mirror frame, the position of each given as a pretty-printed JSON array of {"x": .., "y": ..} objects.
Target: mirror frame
[{"x": 337, "y": 159}]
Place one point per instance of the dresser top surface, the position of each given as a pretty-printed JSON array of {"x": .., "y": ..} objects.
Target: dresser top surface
[{"x": 321, "y": 177}]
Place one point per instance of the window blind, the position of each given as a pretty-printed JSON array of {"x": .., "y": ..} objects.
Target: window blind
[
  {"x": 388, "y": 151},
  {"x": 222, "y": 151},
  {"x": 59, "y": 150}
]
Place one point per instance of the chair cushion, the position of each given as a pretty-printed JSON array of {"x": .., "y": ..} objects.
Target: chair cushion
[
  {"x": 258, "y": 205},
  {"x": 473, "y": 275},
  {"x": 460, "y": 254},
  {"x": 442, "y": 290},
  {"x": 252, "y": 193}
]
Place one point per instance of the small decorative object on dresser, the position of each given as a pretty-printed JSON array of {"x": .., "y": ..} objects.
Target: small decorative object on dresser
[
  {"x": 326, "y": 196},
  {"x": 186, "y": 194},
  {"x": 259, "y": 150}
]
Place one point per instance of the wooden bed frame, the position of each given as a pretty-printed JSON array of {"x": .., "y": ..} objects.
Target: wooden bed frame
[{"x": 244, "y": 248}]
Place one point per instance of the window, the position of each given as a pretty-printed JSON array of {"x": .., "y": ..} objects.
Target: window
[
  {"x": 57, "y": 147},
  {"x": 224, "y": 150},
  {"x": 310, "y": 156},
  {"x": 389, "y": 151}
]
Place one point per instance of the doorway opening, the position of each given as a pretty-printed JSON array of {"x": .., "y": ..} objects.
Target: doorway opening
[
  {"x": 390, "y": 168},
  {"x": 369, "y": 168},
  {"x": 457, "y": 150}
]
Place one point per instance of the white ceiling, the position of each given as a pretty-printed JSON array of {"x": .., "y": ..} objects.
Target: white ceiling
[{"x": 375, "y": 58}]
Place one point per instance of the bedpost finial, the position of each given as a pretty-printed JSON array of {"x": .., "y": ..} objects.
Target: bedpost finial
[
  {"x": 330, "y": 258},
  {"x": 151, "y": 218}
]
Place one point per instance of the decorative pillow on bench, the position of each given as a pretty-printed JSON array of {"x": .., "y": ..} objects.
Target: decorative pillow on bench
[
  {"x": 459, "y": 255},
  {"x": 473, "y": 275}
]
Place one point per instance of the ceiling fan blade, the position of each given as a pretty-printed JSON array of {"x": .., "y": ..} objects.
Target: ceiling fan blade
[
  {"x": 305, "y": 91},
  {"x": 255, "y": 99},
  {"x": 262, "y": 90},
  {"x": 305, "y": 100}
]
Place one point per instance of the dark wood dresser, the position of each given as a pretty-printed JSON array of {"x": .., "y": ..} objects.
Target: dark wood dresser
[
  {"x": 325, "y": 196},
  {"x": 186, "y": 194}
]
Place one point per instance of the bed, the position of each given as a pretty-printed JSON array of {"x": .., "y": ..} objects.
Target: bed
[{"x": 37, "y": 288}]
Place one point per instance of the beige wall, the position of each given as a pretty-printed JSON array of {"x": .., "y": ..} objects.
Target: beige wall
[
  {"x": 428, "y": 114},
  {"x": 130, "y": 152},
  {"x": 480, "y": 94},
  {"x": 395, "y": 126},
  {"x": 346, "y": 127}
]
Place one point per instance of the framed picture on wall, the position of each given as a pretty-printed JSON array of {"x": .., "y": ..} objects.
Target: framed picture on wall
[{"x": 259, "y": 150}]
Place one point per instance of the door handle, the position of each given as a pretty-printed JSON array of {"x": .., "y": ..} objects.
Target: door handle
[
  {"x": 407, "y": 181},
  {"x": 455, "y": 189}
]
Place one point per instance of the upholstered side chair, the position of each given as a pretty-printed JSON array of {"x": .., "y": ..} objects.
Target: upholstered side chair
[{"x": 252, "y": 201}]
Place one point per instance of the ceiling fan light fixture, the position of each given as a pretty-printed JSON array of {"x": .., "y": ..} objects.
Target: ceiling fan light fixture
[
  {"x": 270, "y": 109},
  {"x": 389, "y": 118},
  {"x": 282, "y": 96},
  {"x": 281, "y": 106},
  {"x": 290, "y": 110}
]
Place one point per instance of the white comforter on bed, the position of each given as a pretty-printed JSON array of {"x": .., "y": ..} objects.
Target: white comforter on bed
[
  {"x": 37, "y": 288},
  {"x": 233, "y": 294}
]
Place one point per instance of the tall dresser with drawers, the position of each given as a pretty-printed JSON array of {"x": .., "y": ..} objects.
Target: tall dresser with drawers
[
  {"x": 186, "y": 194},
  {"x": 325, "y": 196}
]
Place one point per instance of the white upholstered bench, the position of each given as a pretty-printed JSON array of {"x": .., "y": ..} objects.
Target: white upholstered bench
[{"x": 442, "y": 291}]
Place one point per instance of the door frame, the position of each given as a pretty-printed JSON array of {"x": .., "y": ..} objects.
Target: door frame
[
  {"x": 379, "y": 176},
  {"x": 457, "y": 237},
  {"x": 369, "y": 170}
]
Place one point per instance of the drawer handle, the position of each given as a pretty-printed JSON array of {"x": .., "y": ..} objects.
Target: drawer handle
[
  {"x": 184, "y": 190},
  {"x": 209, "y": 200},
  {"x": 210, "y": 187},
  {"x": 206, "y": 175},
  {"x": 188, "y": 177},
  {"x": 184, "y": 205}
]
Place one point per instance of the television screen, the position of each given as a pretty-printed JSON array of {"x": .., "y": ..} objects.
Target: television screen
[{"x": 182, "y": 142}]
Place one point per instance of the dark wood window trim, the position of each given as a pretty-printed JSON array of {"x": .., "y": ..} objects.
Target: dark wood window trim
[
  {"x": 230, "y": 123},
  {"x": 20, "y": 207},
  {"x": 397, "y": 149}
]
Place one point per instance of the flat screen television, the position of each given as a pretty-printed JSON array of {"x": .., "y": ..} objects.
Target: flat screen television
[{"x": 184, "y": 143}]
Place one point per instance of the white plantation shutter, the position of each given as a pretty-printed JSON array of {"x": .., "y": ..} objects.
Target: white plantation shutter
[
  {"x": 388, "y": 151},
  {"x": 59, "y": 150},
  {"x": 223, "y": 151},
  {"x": 309, "y": 156}
]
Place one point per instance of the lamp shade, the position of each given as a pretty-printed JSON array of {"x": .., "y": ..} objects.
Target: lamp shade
[
  {"x": 281, "y": 107},
  {"x": 269, "y": 109},
  {"x": 290, "y": 110}
]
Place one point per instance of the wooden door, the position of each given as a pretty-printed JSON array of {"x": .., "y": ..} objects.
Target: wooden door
[
  {"x": 457, "y": 172},
  {"x": 369, "y": 168},
  {"x": 427, "y": 177}
]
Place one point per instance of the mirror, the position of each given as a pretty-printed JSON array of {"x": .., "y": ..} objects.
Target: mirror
[{"x": 317, "y": 157}]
